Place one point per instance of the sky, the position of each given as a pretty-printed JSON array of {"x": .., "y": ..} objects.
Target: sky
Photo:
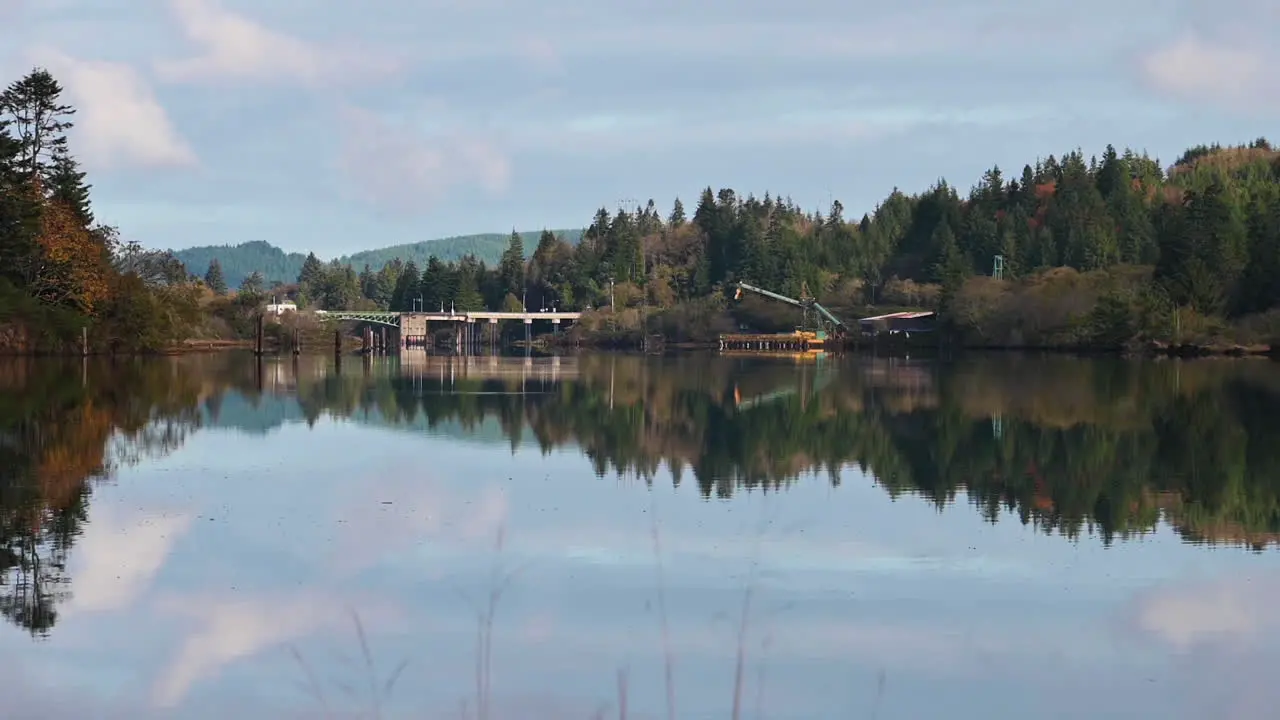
[{"x": 334, "y": 126}]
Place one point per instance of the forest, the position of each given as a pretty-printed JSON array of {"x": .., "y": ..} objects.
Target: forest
[
  {"x": 1073, "y": 251},
  {"x": 1099, "y": 252},
  {"x": 240, "y": 261}
]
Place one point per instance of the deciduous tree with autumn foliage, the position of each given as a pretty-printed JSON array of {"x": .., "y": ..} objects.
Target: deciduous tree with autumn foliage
[{"x": 61, "y": 272}]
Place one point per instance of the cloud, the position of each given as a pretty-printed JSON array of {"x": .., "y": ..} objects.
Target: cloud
[
  {"x": 119, "y": 121},
  {"x": 233, "y": 629},
  {"x": 119, "y": 557},
  {"x": 1232, "y": 612},
  {"x": 235, "y": 47},
  {"x": 1191, "y": 68},
  {"x": 1226, "y": 636},
  {"x": 393, "y": 167}
]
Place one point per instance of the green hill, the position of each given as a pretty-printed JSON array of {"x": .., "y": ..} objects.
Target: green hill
[{"x": 239, "y": 261}]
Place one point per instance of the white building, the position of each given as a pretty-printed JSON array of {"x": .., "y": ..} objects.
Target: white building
[{"x": 281, "y": 308}]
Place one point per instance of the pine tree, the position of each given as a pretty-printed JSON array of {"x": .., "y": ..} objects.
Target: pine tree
[
  {"x": 19, "y": 213},
  {"x": 66, "y": 185},
  {"x": 405, "y": 296},
  {"x": 511, "y": 267},
  {"x": 434, "y": 289},
  {"x": 213, "y": 278},
  {"x": 368, "y": 283},
  {"x": 676, "y": 218},
  {"x": 312, "y": 270},
  {"x": 39, "y": 122}
]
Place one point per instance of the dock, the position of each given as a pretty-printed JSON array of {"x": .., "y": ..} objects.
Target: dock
[{"x": 773, "y": 342}]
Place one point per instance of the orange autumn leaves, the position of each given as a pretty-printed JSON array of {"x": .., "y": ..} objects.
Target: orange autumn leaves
[
  {"x": 74, "y": 266},
  {"x": 74, "y": 452}
]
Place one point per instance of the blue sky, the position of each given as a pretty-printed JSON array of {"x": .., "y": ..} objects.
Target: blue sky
[{"x": 338, "y": 126}]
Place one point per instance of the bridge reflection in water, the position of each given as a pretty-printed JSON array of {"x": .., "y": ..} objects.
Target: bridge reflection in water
[{"x": 418, "y": 362}]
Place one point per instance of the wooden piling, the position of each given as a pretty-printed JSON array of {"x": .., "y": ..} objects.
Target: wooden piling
[
  {"x": 257, "y": 349},
  {"x": 297, "y": 342}
]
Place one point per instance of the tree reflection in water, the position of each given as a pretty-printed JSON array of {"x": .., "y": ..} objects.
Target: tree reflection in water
[{"x": 1068, "y": 446}]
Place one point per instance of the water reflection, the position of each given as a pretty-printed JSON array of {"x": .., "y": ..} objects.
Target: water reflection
[
  {"x": 316, "y": 488},
  {"x": 1109, "y": 447}
]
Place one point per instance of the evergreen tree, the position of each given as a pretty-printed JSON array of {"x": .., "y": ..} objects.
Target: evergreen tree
[
  {"x": 213, "y": 278},
  {"x": 405, "y": 295},
  {"x": 511, "y": 268},
  {"x": 368, "y": 281},
  {"x": 434, "y": 286},
  {"x": 66, "y": 185},
  {"x": 312, "y": 271},
  {"x": 384, "y": 285},
  {"x": 39, "y": 121},
  {"x": 676, "y": 218},
  {"x": 467, "y": 295}
]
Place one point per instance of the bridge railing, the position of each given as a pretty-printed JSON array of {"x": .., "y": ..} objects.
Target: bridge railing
[{"x": 393, "y": 318}]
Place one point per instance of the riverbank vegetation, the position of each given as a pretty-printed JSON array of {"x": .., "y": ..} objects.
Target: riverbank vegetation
[{"x": 69, "y": 282}]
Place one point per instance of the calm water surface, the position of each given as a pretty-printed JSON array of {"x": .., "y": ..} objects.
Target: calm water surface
[{"x": 996, "y": 537}]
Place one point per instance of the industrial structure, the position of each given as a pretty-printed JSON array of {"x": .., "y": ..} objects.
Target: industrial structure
[
  {"x": 899, "y": 322},
  {"x": 818, "y": 326},
  {"x": 820, "y": 329}
]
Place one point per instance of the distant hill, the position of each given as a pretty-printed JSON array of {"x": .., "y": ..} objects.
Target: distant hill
[{"x": 239, "y": 261}]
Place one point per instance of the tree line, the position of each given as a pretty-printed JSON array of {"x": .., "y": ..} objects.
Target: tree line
[
  {"x": 1099, "y": 250},
  {"x": 1133, "y": 244}
]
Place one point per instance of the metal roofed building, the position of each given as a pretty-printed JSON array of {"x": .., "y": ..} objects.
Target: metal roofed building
[{"x": 900, "y": 322}]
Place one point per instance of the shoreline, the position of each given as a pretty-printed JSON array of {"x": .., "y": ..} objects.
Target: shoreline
[{"x": 1154, "y": 350}]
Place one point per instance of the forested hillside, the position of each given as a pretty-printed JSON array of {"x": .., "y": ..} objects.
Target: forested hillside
[
  {"x": 275, "y": 265},
  {"x": 240, "y": 261},
  {"x": 1094, "y": 250}
]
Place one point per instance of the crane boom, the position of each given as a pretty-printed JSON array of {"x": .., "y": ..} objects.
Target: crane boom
[
  {"x": 805, "y": 304},
  {"x": 827, "y": 314},
  {"x": 768, "y": 294}
]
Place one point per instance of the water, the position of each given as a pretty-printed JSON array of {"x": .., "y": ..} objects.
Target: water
[{"x": 998, "y": 537}]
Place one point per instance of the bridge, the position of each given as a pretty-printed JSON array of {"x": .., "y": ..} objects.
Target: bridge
[
  {"x": 412, "y": 327},
  {"x": 397, "y": 319}
]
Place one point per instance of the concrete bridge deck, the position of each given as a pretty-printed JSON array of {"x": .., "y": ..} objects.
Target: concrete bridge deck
[
  {"x": 403, "y": 319},
  {"x": 412, "y": 328}
]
